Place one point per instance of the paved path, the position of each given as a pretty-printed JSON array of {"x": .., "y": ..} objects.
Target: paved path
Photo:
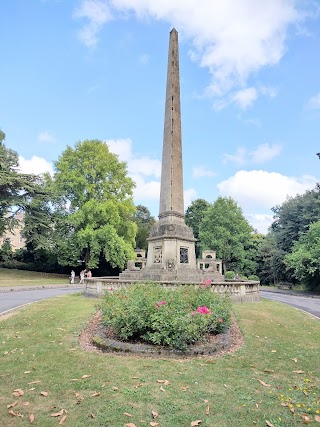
[
  {"x": 12, "y": 300},
  {"x": 310, "y": 305}
]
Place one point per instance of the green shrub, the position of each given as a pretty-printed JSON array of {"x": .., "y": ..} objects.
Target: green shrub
[
  {"x": 229, "y": 275},
  {"x": 244, "y": 277},
  {"x": 254, "y": 277},
  {"x": 168, "y": 317}
]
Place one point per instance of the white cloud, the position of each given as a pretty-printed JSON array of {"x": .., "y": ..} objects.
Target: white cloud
[
  {"x": 314, "y": 102},
  {"x": 200, "y": 171},
  {"x": 144, "y": 59},
  {"x": 189, "y": 195},
  {"x": 96, "y": 13},
  {"x": 265, "y": 152},
  {"x": 36, "y": 165},
  {"x": 144, "y": 171},
  {"x": 245, "y": 98},
  {"x": 260, "y": 222},
  {"x": 46, "y": 136},
  {"x": 258, "y": 189},
  {"x": 239, "y": 157},
  {"x": 233, "y": 39}
]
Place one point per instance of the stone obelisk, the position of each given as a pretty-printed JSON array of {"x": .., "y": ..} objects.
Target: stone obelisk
[{"x": 171, "y": 249}]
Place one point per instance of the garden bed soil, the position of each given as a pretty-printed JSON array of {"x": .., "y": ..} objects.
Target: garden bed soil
[{"x": 98, "y": 338}]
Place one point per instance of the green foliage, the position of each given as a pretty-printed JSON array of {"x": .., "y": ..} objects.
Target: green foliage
[
  {"x": 97, "y": 196},
  {"x": 229, "y": 275},
  {"x": 145, "y": 222},
  {"x": 6, "y": 251},
  {"x": 292, "y": 220},
  {"x": 225, "y": 229},
  {"x": 253, "y": 277},
  {"x": 16, "y": 189},
  {"x": 165, "y": 317},
  {"x": 305, "y": 256},
  {"x": 193, "y": 218}
]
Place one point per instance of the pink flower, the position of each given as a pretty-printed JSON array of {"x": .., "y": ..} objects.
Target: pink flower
[
  {"x": 193, "y": 313},
  {"x": 163, "y": 303},
  {"x": 220, "y": 320},
  {"x": 157, "y": 306},
  {"x": 203, "y": 310}
]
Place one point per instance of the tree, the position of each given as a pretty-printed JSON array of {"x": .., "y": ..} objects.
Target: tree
[
  {"x": 16, "y": 189},
  {"x": 305, "y": 256},
  {"x": 193, "y": 218},
  {"x": 271, "y": 267},
  {"x": 97, "y": 194},
  {"x": 6, "y": 250},
  {"x": 253, "y": 261},
  {"x": 145, "y": 222},
  {"x": 225, "y": 230},
  {"x": 292, "y": 219}
]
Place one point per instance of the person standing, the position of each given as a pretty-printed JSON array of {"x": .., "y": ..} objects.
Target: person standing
[
  {"x": 81, "y": 277},
  {"x": 72, "y": 276}
]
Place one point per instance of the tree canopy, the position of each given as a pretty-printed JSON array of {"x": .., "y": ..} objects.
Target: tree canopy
[
  {"x": 225, "y": 230},
  {"x": 193, "y": 218},
  {"x": 97, "y": 194},
  {"x": 145, "y": 222}
]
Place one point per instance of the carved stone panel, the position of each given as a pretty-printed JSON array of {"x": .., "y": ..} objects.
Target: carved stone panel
[
  {"x": 184, "y": 256},
  {"x": 157, "y": 255},
  {"x": 170, "y": 264}
]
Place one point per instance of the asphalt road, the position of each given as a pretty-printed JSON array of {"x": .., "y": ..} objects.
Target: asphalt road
[
  {"x": 310, "y": 305},
  {"x": 15, "y": 299}
]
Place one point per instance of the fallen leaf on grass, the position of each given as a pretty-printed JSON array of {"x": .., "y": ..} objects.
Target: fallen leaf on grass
[
  {"x": 153, "y": 424},
  {"x": 269, "y": 424},
  {"x": 58, "y": 414},
  {"x": 74, "y": 379},
  {"x": 283, "y": 404},
  {"x": 317, "y": 418},
  {"x": 185, "y": 388},
  {"x": 34, "y": 382},
  {"x": 115, "y": 388},
  {"x": 226, "y": 386},
  {"x": 27, "y": 372},
  {"x": 26, "y": 403},
  {"x": 92, "y": 415},
  {"x": 130, "y": 425},
  {"x": 44, "y": 393},
  {"x": 96, "y": 394},
  {"x": 165, "y": 382},
  {"x": 305, "y": 393},
  {"x": 13, "y": 404},
  {"x": 127, "y": 414},
  {"x": 31, "y": 418},
  {"x": 18, "y": 392},
  {"x": 85, "y": 376},
  {"x": 31, "y": 389},
  {"x": 63, "y": 419},
  {"x": 15, "y": 414},
  {"x": 162, "y": 389},
  {"x": 292, "y": 409},
  {"x": 298, "y": 372},
  {"x": 138, "y": 385},
  {"x": 154, "y": 414},
  {"x": 264, "y": 384},
  {"x": 306, "y": 419},
  {"x": 295, "y": 359},
  {"x": 273, "y": 351},
  {"x": 269, "y": 370},
  {"x": 196, "y": 423},
  {"x": 208, "y": 409}
]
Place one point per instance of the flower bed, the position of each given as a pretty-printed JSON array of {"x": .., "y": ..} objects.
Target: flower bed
[{"x": 173, "y": 318}]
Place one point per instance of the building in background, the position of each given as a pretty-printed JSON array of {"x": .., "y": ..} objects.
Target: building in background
[{"x": 15, "y": 236}]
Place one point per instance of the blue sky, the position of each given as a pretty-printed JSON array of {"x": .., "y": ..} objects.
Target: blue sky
[{"x": 96, "y": 69}]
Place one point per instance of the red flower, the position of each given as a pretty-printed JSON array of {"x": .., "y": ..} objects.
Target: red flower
[{"x": 220, "y": 320}]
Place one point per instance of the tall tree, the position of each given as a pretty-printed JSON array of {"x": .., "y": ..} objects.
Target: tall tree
[
  {"x": 225, "y": 229},
  {"x": 193, "y": 218},
  {"x": 16, "y": 189},
  {"x": 98, "y": 197},
  {"x": 292, "y": 219},
  {"x": 305, "y": 256},
  {"x": 145, "y": 222}
]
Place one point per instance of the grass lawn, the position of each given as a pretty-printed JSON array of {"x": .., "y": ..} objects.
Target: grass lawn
[
  {"x": 274, "y": 377},
  {"x": 10, "y": 277}
]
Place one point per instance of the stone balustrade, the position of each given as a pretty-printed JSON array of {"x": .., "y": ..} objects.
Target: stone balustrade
[{"x": 238, "y": 291}]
